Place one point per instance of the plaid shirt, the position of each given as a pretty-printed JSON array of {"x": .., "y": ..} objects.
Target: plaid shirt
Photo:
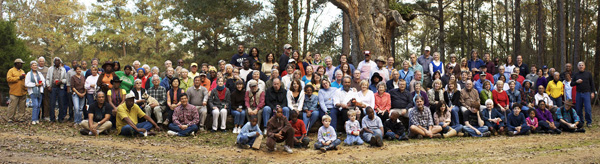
[
  {"x": 420, "y": 118},
  {"x": 159, "y": 94},
  {"x": 187, "y": 115},
  {"x": 527, "y": 97}
]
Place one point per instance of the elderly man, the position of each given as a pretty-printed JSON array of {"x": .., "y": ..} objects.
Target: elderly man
[
  {"x": 414, "y": 81},
  {"x": 255, "y": 101},
  {"x": 160, "y": 94},
  {"x": 43, "y": 69},
  {"x": 193, "y": 71},
  {"x": 55, "y": 81},
  {"x": 127, "y": 119},
  {"x": 168, "y": 64},
  {"x": 185, "y": 118},
  {"x": 346, "y": 98},
  {"x": 198, "y": 97},
  {"x": 18, "y": 93},
  {"x": 401, "y": 99},
  {"x": 393, "y": 82},
  {"x": 500, "y": 73},
  {"x": 99, "y": 115},
  {"x": 356, "y": 79},
  {"x": 421, "y": 121},
  {"x": 469, "y": 97},
  {"x": 329, "y": 68},
  {"x": 275, "y": 96},
  {"x": 366, "y": 66},
  {"x": 279, "y": 130},
  {"x": 584, "y": 81},
  {"x": 424, "y": 60},
  {"x": 380, "y": 68},
  {"x": 167, "y": 78}
]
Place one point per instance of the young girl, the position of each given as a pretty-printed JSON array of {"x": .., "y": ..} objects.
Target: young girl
[
  {"x": 352, "y": 130},
  {"x": 532, "y": 121}
]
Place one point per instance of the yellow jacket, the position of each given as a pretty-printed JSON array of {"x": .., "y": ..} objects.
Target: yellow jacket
[
  {"x": 555, "y": 90},
  {"x": 16, "y": 85}
]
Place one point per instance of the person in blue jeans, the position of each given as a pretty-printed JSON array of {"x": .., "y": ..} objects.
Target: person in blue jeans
[
  {"x": 493, "y": 119},
  {"x": 394, "y": 129},
  {"x": 372, "y": 129},
  {"x": 249, "y": 133},
  {"x": 185, "y": 118},
  {"x": 127, "y": 119},
  {"x": 34, "y": 81},
  {"x": 55, "y": 80},
  {"x": 474, "y": 125},
  {"x": 585, "y": 92},
  {"x": 327, "y": 139},
  {"x": 516, "y": 122},
  {"x": 352, "y": 130},
  {"x": 275, "y": 96}
]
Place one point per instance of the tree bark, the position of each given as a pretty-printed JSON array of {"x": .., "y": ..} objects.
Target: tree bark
[
  {"x": 374, "y": 23},
  {"x": 295, "y": 20},
  {"x": 597, "y": 54},
  {"x": 441, "y": 37},
  {"x": 517, "y": 35},
  {"x": 540, "y": 32},
  {"x": 305, "y": 28},
  {"x": 577, "y": 31},
  {"x": 345, "y": 34},
  {"x": 283, "y": 18},
  {"x": 506, "y": 28},
  {"x": 562, "y": 50},
  {"x": 462, "y": 27}
]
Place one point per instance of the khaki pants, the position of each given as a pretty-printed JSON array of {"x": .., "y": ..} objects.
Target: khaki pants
[
  {"x": 100, "y": 129},
  {"x": 157, "y": 112},
  {"x": 16, "y": 108},
  {"x": 202, "y": 116}
]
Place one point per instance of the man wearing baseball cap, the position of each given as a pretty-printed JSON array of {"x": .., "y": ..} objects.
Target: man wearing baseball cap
[
  {"x": 283, "y": 60},
  {"x": 424, "y": 61},
  {"x": 127, "y": 119},
  {"x": 16, "y": 82},
  {"x": 193, "y": 71},
  {"x": 366, "y": 66}
]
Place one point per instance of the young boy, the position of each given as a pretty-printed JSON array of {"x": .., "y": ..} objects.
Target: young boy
[
  {"x": 300, "y": 139},
  {"x": 248, "y": 134},
  {"x": 372, "y": 128},
  {"x": 352, "y": 130},
  {"x": 394, "y": 129},
  {"x": 327, "y": 137},
  {"x": 517, "y": 125}
]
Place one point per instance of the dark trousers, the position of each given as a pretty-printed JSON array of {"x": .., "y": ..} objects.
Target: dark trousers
[{"x": 288, "y": 137}]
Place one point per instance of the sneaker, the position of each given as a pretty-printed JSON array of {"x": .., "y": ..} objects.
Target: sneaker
[
  {"x": 173, "y": 133},
  {"x": 589, "y": 125},
  {"x": 323, "y": 149},
  {"x": 212, "y": 130},
  {"x": 33, "y": 122},
  {"x": 202, "y": 129},
  {"x": 84, "y": 132},
  {"x": 47, "y": 119},
  {"x": 236, "y": 130},
  {"x": 193, "y": 134},
  {"x": 373, "y": 141},
  {"x": 287, "y": 149},
  {"x": 511, "y": 133},
  {"x": 145, "y": 134},
  {"x": 486, "y": 134}
]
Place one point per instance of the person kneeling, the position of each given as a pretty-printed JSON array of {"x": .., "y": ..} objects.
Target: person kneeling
[
  {"x": 300, "y": 138},
  {"x": 516, "y": 122},
  {"x": 279, "y": 130},
  {"x": 394, "y": 129},
  {"x": 127, "y": 119},
  {"x": 249, "y": 134},
  {"x": 327, "y": 137},
  {"x": 185, "y": 118},
  {"x": 98, "y": 115},
  {"x": 372, "y": 129}
]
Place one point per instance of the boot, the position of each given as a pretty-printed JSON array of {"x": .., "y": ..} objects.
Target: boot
[{"x": 450, "y": 133}]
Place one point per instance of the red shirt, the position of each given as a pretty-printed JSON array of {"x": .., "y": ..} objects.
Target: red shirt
[
  {"x": 500, "y": 98},
  {"x": 383, "y": 102},
  {"x": 488, "y": 76},
  {"x": 299, "y": 128}
]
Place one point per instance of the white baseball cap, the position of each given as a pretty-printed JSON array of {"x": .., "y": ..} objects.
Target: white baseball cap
[{"x": 427, "y": 48}]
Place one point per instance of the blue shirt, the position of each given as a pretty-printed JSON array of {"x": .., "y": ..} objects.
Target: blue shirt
[
  {"x": 310, "y": 103},
  {"x": 326, "y": 98},
  {"x": 475, "y": 64},
  {"x": 336, "y": 85},
  {"x": 478, "y": 85},
  {"x": 570, "y": 117},
  {"x": 250, "y": 131}
]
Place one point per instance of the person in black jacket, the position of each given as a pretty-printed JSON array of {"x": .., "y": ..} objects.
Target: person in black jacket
[
  {"x": 585, "y": 93},
  {"x": 394, "y": 80},
  {"x": 401, "y": 99},
  {"x": 453, "y": 102},
  {"x": 275, "y": 95},
  {"x": 394, "y": 129}
]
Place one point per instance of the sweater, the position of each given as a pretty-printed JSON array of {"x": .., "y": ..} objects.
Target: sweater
[
  {"x": 515, "y": 121},
  {"x": 276, "y": 97},
  {"x": 326, "y": 134},
  {"x": 299, "y": 128}
]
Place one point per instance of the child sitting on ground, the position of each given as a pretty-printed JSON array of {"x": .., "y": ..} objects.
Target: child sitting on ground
[
  {"x": 532, "y": 121},
  {"x": 394, "y": 129},
  {"x": 327, "y": 137},
  {"x": 517, "y": 125},
  {"x": 352, "y": 130},
  {"x": 248, "y": 134},
  {"x": 300, "y": 139}
]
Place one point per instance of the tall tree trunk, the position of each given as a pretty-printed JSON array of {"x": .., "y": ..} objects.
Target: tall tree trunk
[
  {"x": 462, "y": 28},
  {"x": 295, "y": 20},
  {"x": 393, "y": 43},
  {"x": 540, "y": 32},
  {"x": 507, "y": 33},
  {"x": 492, "y": 31},
  {"x": 597, "y": 54},
  {"x": 124, "y": 48},
  {"x": 345, "y": 34},
  {"x": 283, "y": 18},
  {"x": 562, "y": 49},
  {"x": 374, "y": 23},
  {"x": 577, "y": 31},
  {"x": 441, "y": 30},
  {"x": 517, "y": 35},
  {"x": 305, "y": 29}
]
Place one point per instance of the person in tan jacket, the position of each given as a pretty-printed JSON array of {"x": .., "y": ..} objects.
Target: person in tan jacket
[
  {"x": 469, "y": 97},
  {"x": 18, "y": 93}
]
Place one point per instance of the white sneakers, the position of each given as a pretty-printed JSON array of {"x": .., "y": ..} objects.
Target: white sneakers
[
  {"x": 287, "y": 149},
  {"x": 172, "y": 133},
  {"x": 237, "y": 130},
  {"x": 35, "y": 122}
]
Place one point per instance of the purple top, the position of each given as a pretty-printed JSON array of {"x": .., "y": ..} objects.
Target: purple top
[{"x": 545, "y": 115}]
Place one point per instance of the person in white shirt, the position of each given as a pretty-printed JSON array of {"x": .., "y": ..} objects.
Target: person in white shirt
[
  {"x": 541, "y": 95},
  {"x": 367, "y": 99},
  {"x": 256, "y": 77},
  {"x": 295, "y": 96},
  {"x": 366, "y": 66},
  {"x": 245, "y": 70},
  {"x": 287, "y": 79},
  {"x": 346, "y": 98},
  {"x": 384, "y": 73}
]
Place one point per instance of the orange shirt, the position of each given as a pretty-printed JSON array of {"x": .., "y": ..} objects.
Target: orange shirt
[
  {"x": 106, "y": 79},
  {"x": 206, "y": 83}
]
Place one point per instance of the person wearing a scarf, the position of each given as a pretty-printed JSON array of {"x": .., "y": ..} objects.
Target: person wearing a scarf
[
  {"x": 219, "y": 100},
  {"x": 35, "y": 82}
]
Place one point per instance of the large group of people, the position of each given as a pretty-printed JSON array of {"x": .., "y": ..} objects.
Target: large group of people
[{"x": 422, "y": 97}]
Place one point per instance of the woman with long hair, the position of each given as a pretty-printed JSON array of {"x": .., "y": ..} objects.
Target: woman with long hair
[{"x": 267, "y": 66}]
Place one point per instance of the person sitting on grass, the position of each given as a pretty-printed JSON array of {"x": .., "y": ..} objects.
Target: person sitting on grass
[
  {"x": 127, "y": 119},
  {"x": 249, "y": 133},
  {"x": 421, "y": 122},
  {"x": 569, "y": 120},
  {"x": 493, "y": 119},
  {"x": 442, "y": 117},
  {"x": 394, "y": 129},
  {"x": 545, "y": 119},
  {"x": 532, "y": 122},
  {"x": 300, "y": 139},
  {"x": 516, "y": 123},
  {"x": 98, "y": 117},
  {"x": 185, "y": 118},
  {"x": 279, "y": 130},
  {"x": 474, "y": 124},
  {"x": 372, "y": 128},
  {"x": 327, "y": 137},
  {"x": 352, "y": 127}
]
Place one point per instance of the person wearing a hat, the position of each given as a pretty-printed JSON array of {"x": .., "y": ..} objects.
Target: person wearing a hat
[
  {"x": 366, "y": 66},
  {"x": 106, "y": 76},
  {"x": 488, "y": 77},
  {"x": 568, "y": 118},
  {"x": 116, "y": 95},
  {"x": 127, "y": 117},
  {"x": 204, "y": 81},
  {"x": 193, "y": 71},
  {"x": 55, "y": 81},
  {"x": 18, "y": 93},
  {"x": 285, "y": 57},
  {"x": 478, "y": 85},
  {"x": 237, "y": 59},
  {"x": 380, "y": 68},
  {"x": 424, "y": 60},
  {"x": 518, "y": 76}
]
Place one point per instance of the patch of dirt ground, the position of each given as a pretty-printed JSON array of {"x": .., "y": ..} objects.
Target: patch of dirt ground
[{"x": 61, "y": 143}]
